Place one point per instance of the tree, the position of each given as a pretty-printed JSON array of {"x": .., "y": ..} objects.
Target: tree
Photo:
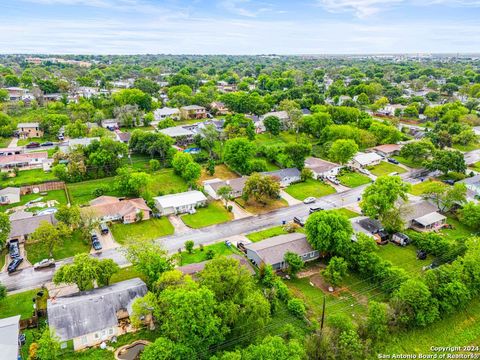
[
  {"x": 150, "y": 260},
  {"x": 3, "y": 292},
  {"x": 192, "y": 173},
  {"x": 146, "y": 85},
  {"x": 342, "y": 151},
  {"x": 377, "y": 320},
  {"x": 4, "y": 229},
  {"x": 335, "y": 270},
  {"x": 262, "y": 188},
  {"x": 329, "y": 231},
  {"x": 294, "y": 262},
  {"x": 225, "y": 192},
  {"x": 381, "y": 196},
  {"x": 417, "y": 150},
  {"x": 297, "y": 152},
  {"x": 271, "y": 348},
  {"x": 130, "y": 182},
  {"x": 48, "y": 345},
  {"x": 297, "y": 307},
  {"x": 180, "y": 162},
  {"x": 166, "y": 349},
  {"x": 106, "y": 269},
  {"x": 69, "y": 215},
  {"x": 50, "y": 235},
  {"x": 446, "y": 161},
  {"x": 272, "y": 124},
  {"x": 470, "y": 215},
  {"x": 237, "y": 154},
  {"x": 413, "y": 304},
  {"x": 189, "y": 244},
  {"x": 154, "y": 165},
  {"x": 133, "y": 97},
  {"x": 445, "y": 196}
]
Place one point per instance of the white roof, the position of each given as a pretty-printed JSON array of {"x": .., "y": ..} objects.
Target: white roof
[
  {"x": 10, "y": 190},
  {"x": 181, "y": 199},
  {"x": 82, "y": 141},
  {"x": 367, "y": 158},
  {"x": 166, "y": 111},
  {"x": 430, "y": 219},
  {"x": 280, "y": 114},
  {"x": 9, "y": 330},
  {"x": 177, "y": 131},
  {"x": 28, "y": 124}
]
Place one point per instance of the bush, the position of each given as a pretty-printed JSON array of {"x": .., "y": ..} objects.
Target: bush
[
  {"x": 297, "y": 307},
  {"x": 210, "y": 254},
  {"x": 154, "y": 164},
  {"x": 189, "y": 246},
  {"x": 98, "y": 191},
  {"x": 229, "y": 208},
  {"x": 283, "y": 292}
]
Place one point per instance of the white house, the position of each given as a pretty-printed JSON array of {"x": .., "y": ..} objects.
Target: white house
[
  {"x": 285, "y": 176},
  {"x": 180, "y": 203},
  {"x": 362, "y": 160},
  {"x": 322, "y": 168},
  {"x": 166, "y": 112},
  {"x": 10, "y": 195}
]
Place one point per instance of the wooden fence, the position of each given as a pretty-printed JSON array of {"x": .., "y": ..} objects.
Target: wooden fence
[{"x": 47, "y": 186}]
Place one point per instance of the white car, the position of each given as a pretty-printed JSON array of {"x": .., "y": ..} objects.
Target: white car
[
  {"x": 44, "y": 264},
  {"x": 309, "y": 200}
]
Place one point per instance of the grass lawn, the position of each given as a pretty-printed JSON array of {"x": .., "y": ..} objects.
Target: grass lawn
[
  {"x": 315, "y": 188},
  {"x": 419, "y": 188},
  {"x": 198, "y": 255},
  {"x": 142, "y": 230},
  {"x": 166, "y": 182},
  {"x": 476, "y": 166},
  {"x": 126, "y": 273},
  {"x": 353, "y": 179},
  {"x": 221, "y": 172},
  {"x": 458, "y": 329},
  {"x": 408, "y": 162},
  {"x": 268, "y": 233},
  {"x": 466, "y": 148},
  {"x": 347, "y": 212},
  {"x": 28, "y": 177},
  {"x": 268, "y": 139},
  {"x": 23, "y": 142},
  {"x": 256, "y": 208},
  {"x": 58, "y": 195},
  {"x": 404, "y": 257},
  {"x": 214, "y": 213},
  {"x": 270, "y": 166},
  {"x": 18, "y": 304},
  {"x": 138, "y": 162},
  {"x": 4, "y": 142},
  {"x": 459, "y": 230},
  {"x": 72, "y": 246},
  {"x": 386, "y": 168}
]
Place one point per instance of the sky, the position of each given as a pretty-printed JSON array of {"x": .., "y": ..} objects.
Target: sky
[{"x": 239, "y": 26}]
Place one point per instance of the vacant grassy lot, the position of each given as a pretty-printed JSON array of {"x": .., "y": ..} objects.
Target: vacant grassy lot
[
  {"x": 28, "y": 177},
  {"x": 353, "y": 179},
  {"x": 256, "y": 208},
  {"x": 315, "y": 188},
  {"x": 141, "y": 231},
  {"x": 18, "y": 304},
  {"x": 269, "y": 139},
  {"x": 386, "y": 168},
  {"x": 214, "y": 213},
  {"x": 166, "y": 182},
  {"x": 346, "y": 212},
  {"x": 71, "y": 246},
  {"x": 419, "y": 188},
  {"x": 198, "y": 255},
  {"x": 221, "y": 172},
  {"x": 408, "y": 162},
  {"x": 404, "y": 257},
  {"x": 268, "y": 233},
  {"x": 126, "y": 273},
  {"x": 4, "y": 142},
  {"x": 58, "y": 195}
]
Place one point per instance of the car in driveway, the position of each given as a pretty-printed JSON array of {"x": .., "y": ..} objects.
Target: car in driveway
[
  {"x": 32, "y": 145},
  {"x": 96, "y": 245},
  {"x": 14, "y": 249},
  {"x": 393, "y": 161},
  {"x": 309, "y": 200},
  {"x": 13, "y": 266},
  {"x": 45, "y": 263}
]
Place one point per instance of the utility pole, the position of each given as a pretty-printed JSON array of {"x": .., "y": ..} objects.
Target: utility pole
[{"x": 323, "y": 313}]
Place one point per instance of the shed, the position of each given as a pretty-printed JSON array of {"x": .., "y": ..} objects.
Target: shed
[{"x": 9, "y": 331}]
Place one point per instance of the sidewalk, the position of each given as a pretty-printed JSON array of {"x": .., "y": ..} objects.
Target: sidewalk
[
  {"x": 289, "y": 198},
  {"x": 13, "y": 143}
]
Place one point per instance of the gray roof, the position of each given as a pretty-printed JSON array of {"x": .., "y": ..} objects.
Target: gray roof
[
  {"x": 28, "y": 125},
  {"x": 430, "y": 219},
  {"x": 9, "y": 331},
  {"x": 177, "y": 131},
  {"x": 419, "y": 209},
  {"x": 284, "y": 173},
  {"x": 272, "y": 250},
  {"x": 474, "y": 180},
  {"x": 192, "y": 107},
  {"x": 25, "y": 225},
  {"x": 319, "y": 165},
  {"x": 90, "y": 311},
  {"x": 237, "y": 184}
]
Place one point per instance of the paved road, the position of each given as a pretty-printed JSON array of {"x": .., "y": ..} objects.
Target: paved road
[{"x": 472, "y": 157}]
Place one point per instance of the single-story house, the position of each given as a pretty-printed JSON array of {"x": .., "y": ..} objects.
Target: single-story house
[
  {"x": 272, "y": 251},
  {"x": 423, "y": 216},
  {"x": 473, "y": 186},
  {"x": 285, "y": 176},
  {"x": 358, "y": 228},
  {"x": 180, "y": 134},
  {"x": 92, "y": 317},
  {"x": 29, "y": 130},
  {"x": 12, "y": 151},
  {"x": 9, "y": 195},
  {"x": 322, "y": 168},
  {"x": 166, "y": 112},
  {"x": 24, "y": 223},
  {"x": 193, "y": 112},
  {"x": 111, "y": 208},
  {"x": 32, "y": 160},
  {"x": 9, "y": 343},
  {"x": 211, "y": 186},
  {"x": 362, "y": 160},
  {"x": 180, "y": 203},
  {"x": 387, "y": 150},
  {"x": 73, "y": 143}
]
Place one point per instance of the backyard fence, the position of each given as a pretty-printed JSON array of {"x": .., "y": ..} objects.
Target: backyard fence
[{"x": 45, "y": 187}]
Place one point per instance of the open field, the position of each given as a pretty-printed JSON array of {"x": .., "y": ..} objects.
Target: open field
[
  {"x": 221, "y": 172},
  {"x": 386, "y": 168},
  {"x": 346, "y": 212},
  {"x": 404, "y": 257},
  {"x": 419, "y": 188},
  {"x": 315, "y": 188},
  {"x": 214, "y": 213},
  {"x": 18, "y": 304},
  {"x": 141, "y": 231}
]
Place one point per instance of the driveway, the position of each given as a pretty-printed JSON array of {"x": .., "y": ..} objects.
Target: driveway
[
  {"x": 289, "y": 198},
  {"x": 25, "y": 263},
  {"x": 13, "y": 143},
  {"x": 178, "y": 224},
  {"x": 237, "y": 211}
]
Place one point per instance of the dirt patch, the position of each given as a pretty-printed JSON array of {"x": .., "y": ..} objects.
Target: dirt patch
[{"x": 311, "y": 270}]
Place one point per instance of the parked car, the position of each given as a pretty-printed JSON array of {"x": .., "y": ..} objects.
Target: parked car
[
  {"x": 48, "y": 143},
  {"x": 400, "y": 239},
  {"x": 32, "y": 145},
  {"x": 13, "y": 266},
  {"x": 300, "y": 220},
  {"x": 393, "y": 161},
  {"x": 61, "y": 137},
  {"x": 309, "y": 200},
  {"x": 96, "y": 245},
  {"x": 241, "y": 247},
  {"x": 94, "y": 236},
  {"x": 45, "y": 263},
  {"x": 449, "y": 181},
  {"x": 14, "y": 249},
  {"x": 104, "y": 228},
  {"x": 315, "y": 209}
]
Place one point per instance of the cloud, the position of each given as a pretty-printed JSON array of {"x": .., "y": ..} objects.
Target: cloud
[
  {"x": 244, "y": 8},
  {"x": 361, "y": 8}
]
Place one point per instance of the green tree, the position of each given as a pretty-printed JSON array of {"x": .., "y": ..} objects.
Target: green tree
[
  {"x": 272, "y": 124},
  {"x": 106, "y": 269},
  {"x": 377, "y": 320},
  {"x": 470, "y": 215},
  {"x": 335, "y": 270},
  {"x": 69, "y": 215},
  {"x": 130, "y": 182},
  {"x": 166, "y": 349},
  {"x": 3, "y": 292},
  {"x": 262, "y": 188},
  {"x": 49, "y": 235},
  {"x": 154, "y": 165},
  {"x": 446, "y": 161},
  {"x": 237, "y": 154},
  {"x": 274, "y": 348},
  {"x": 294, "y": 262},
  {"x": 192, "y": 173},
  {"x": 133, "y": 97},
  {"x": 180, "y": 162},
  {"x": 342, "y": 151},
  {"x": 445, "y": 196},
  {"x": 189, "y": 244},
  {"x": 297, "y": 153},
  {"x": 329, "y": 231},
  {"x": 297, "y": 307},
  {"x": 4, "y": 228},
  {"x": 48, "y": 345},
  {"x": 225, "y": 193},
  {"x": 417, "y": 150}
]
